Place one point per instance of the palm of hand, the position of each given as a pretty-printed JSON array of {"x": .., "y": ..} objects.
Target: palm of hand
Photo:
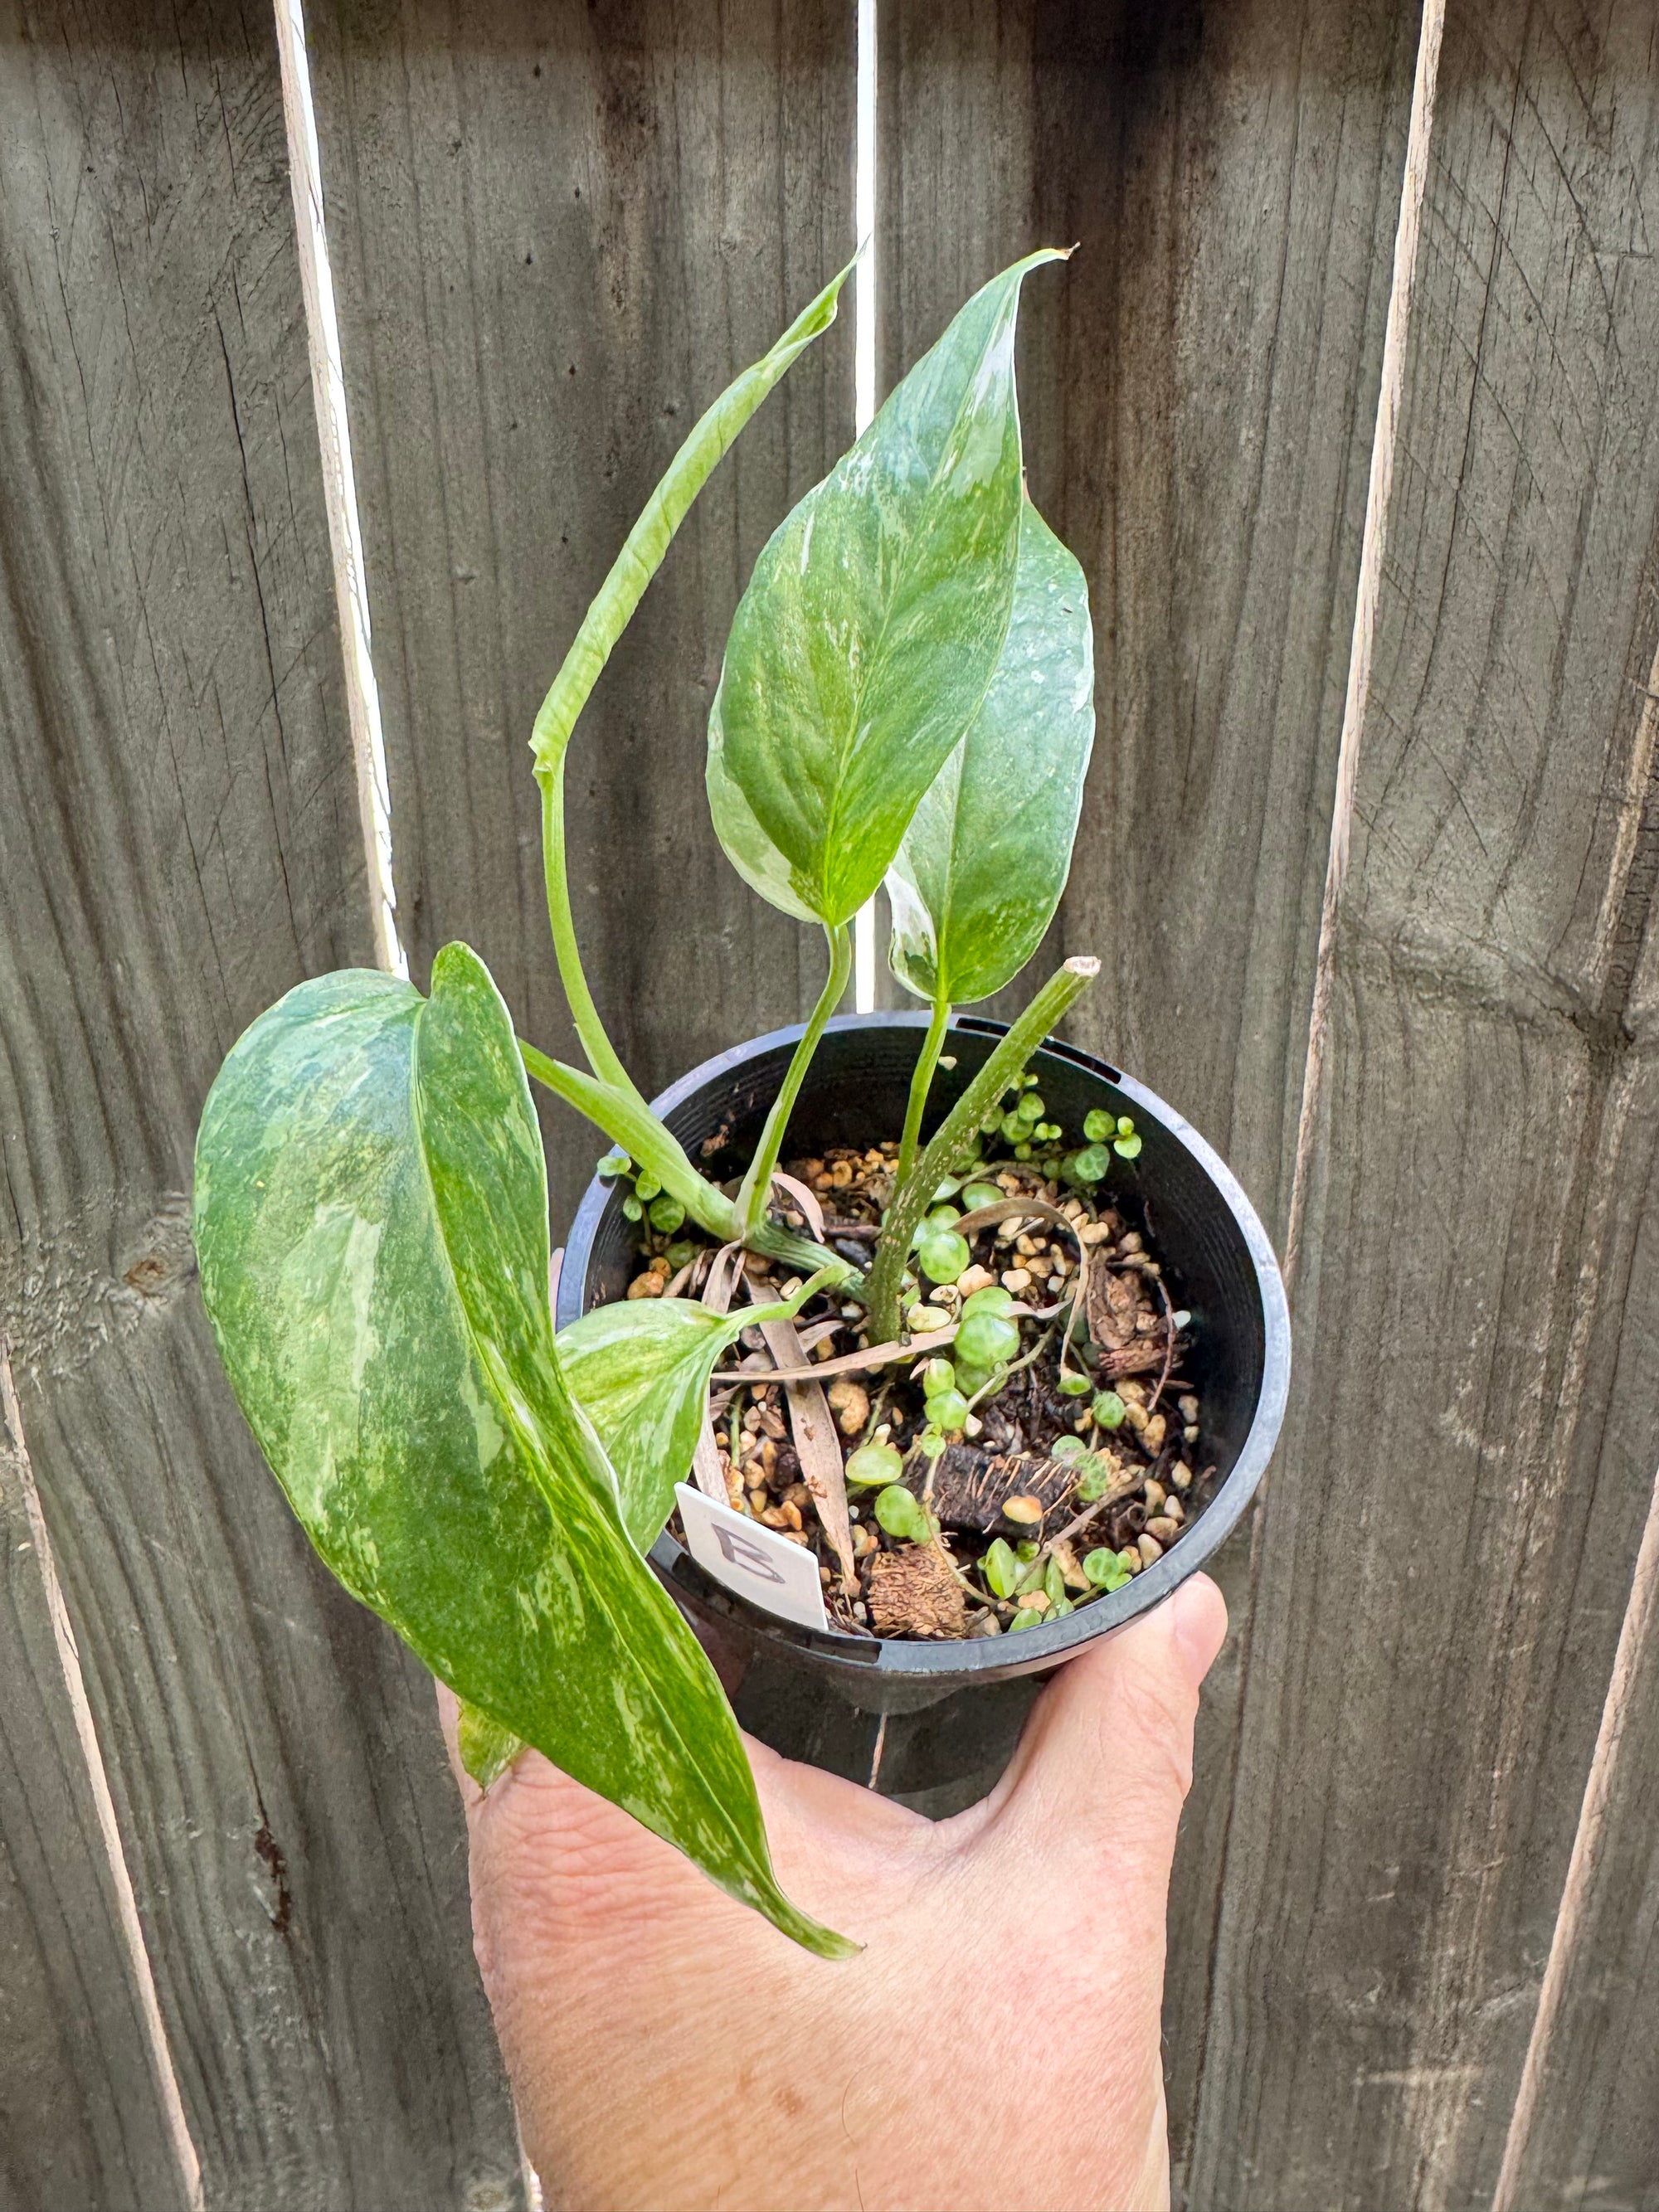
[{"x": 995, "y": 2044}]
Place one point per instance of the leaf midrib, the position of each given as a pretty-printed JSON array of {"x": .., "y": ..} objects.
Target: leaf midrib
[
  {"x": 539, "y": 1458},
  {"x": 830, "y": 820}
]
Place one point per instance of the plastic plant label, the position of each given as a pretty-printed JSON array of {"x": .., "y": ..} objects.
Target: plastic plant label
[{"x": 755, "y": 1562}]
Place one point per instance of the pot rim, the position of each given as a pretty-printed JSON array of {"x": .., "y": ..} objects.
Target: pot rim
[{"x": 1039, "y": 1647}]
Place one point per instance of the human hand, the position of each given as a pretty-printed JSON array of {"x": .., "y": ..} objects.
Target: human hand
[{"x": 996, "y": 2043}]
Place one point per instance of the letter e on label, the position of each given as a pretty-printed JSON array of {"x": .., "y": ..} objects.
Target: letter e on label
[{"x": 755, "y": 1562}]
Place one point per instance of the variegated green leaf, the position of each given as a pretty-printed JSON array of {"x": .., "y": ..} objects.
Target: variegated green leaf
[
  {"x": 487, "y": 1749},
  {"x": 705, "y": 446},
  {"x": 371, "y": 1222},
  {"x": 862, "y": 648},
  {"x": 639, "y": 1371},
  {"x": 979, "y": 875},
  {"x": 746, "y": 845}
]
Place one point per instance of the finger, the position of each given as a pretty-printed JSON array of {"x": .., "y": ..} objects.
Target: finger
[{"x": 1106, "y": 1757}]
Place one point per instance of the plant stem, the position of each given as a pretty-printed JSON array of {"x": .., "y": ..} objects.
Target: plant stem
[
  {"x": 610, "y": 1097},
  {"x": 609, "y": 615},
  {"x": 601, "y": 1052},
  {"x": 920, "y": 1083},
  {"x": 957, "y": 1132},
  {"x": 649, "y": 539},
  {"x": 629, "y": 1121},
  {"x": 756, "y": 1193}
]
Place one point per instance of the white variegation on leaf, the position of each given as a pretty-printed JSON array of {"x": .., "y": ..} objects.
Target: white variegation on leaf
[
  {"x": 863, "y": 646},
  {"x": 371, "y": 1222},
  {"x": 980, "y": 873},
  {"x": 906, "y": 686},
  {"x": 639, "y": 1371}
]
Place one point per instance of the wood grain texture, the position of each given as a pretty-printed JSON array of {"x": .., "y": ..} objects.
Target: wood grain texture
[
  {"x": 1197, "y": 389},
  {"x": 1447, "y": 1544},
  {"x": 179, "y": 843},
  {"x": 557, "y": 232},
  {"x": 1587, "y": 2137},
  {"x": 1584, "y": 2133},
  {"x": 81, "y": 2128},
  {"x": 1197, "y": 386}
]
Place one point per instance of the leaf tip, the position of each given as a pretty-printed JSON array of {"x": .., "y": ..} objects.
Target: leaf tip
[
  {"x": 824, "y": 1943},
  {"x": 487, "y": 1749},
  {"x": 454, "y": 962},
  {"x": 818, "y": 315}
]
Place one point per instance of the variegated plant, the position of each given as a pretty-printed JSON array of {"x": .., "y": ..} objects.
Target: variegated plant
[{"x": 906, "y": 695}]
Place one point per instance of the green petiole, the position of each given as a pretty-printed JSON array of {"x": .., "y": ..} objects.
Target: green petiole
[
  {"x": 920, "y": 1083},
  {"x": 610, "y": 1096},
  {"x": 607, "y": 618},
  {"x": 664, "y": 512},
  {"x": 956, "y": 1132},
  {"x": 629, "y": 1121},
  {"x": 602, "y": 1055},
  {"x": 756, "y": 1193}
]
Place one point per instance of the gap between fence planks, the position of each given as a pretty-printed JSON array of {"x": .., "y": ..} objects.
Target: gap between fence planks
[
  {"x": 187, "y": 2177},
  {"x": 1209, "y": 1032},
  {"x": 1582, "y": 2125},
  {"x": 1379, "y": 496},
  {"x": 345, "y": 537},
  {"x": 1584, "y": 2121},
  {"x": 1487, "y": 1017}
]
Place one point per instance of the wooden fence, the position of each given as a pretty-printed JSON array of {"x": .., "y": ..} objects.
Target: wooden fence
[{"x": 1347, "y": 405}]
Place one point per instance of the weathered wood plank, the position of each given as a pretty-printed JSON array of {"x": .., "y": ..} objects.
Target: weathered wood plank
[
  {"x": 1589, "y": 2137},
  {"x": 82, "y": 2123},
  {"x": 1446, "y": 1546},
  {"x": 1198, "y": 388},
  {"x": 179, "y": 843},
  {"x": 1584, "y": 2133},
  {"x": 557, "y": 231}
]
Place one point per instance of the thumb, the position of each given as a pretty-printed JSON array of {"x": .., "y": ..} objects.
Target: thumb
[{"x": 1105, "y": 1761}]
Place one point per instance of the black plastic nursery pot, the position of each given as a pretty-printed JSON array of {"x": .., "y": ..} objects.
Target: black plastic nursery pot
[{"x": 1215, "y": 1254}]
